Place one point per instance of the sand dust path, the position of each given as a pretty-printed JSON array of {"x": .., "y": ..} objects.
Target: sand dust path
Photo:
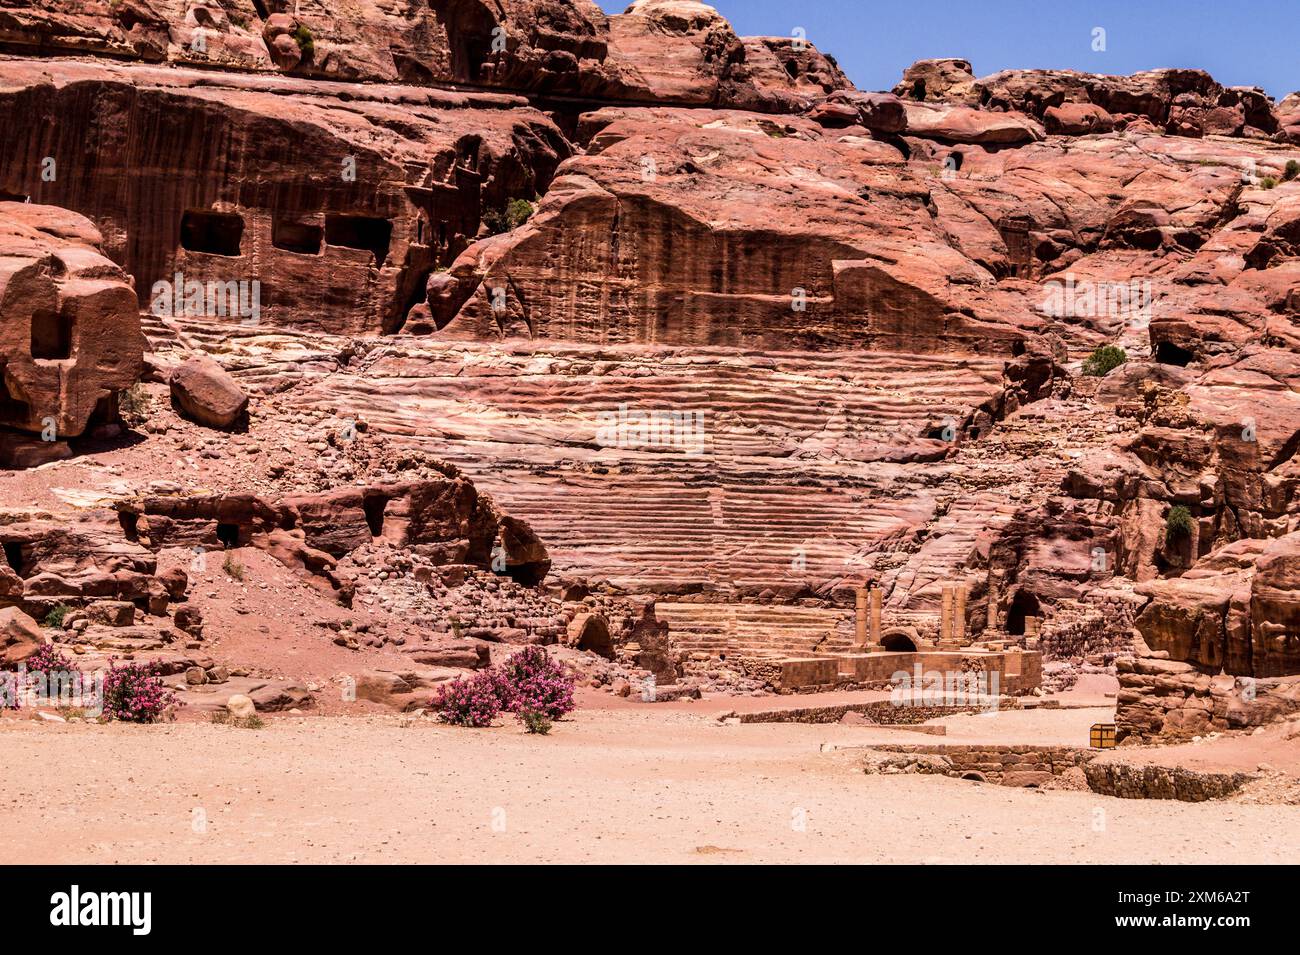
[{"x": 610, "y": 786}]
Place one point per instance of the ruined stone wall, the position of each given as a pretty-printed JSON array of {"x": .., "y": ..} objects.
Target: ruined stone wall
[
  {"x": 1010, "y": 765},
  {"x": 1086, "y": 636}
]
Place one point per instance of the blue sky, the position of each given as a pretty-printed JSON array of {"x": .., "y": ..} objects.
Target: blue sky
[{"x": 874, "y": 40}]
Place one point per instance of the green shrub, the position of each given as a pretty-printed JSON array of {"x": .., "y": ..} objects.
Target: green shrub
[
  {"x": 535, "y": 721},
  {"x": 515, "y": 214},
  {"x": 224, "y": 718},
  {"x": 306, "y": 42},
  {"x": 1268, "y": 182},
  {"x": 55, "y": 617},
  {"x": 1178, "y": 524},
  {"x": 133, "y": 405},
  {"x": 1292, "y": 170},
  {"x": 1104, "y": 360}
]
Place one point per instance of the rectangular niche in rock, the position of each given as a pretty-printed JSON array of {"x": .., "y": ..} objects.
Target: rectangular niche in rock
[
  {"x": 214, "y": 233},
  {"x": 360, "y": 232},
  {"x": 51, "y": 335},
  {"x": 301, "y": 237}
]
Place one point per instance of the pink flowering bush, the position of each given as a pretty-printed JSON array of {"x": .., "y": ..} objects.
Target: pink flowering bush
[
  {"x": 46, "y": 659},
  {"x": 46, "y": 667},
  {"x": 469, "y": 701},
  {"x": 530, "y": 684},
  {"x": 537, "y": 684},
  {"x": 134, "y": 692}
]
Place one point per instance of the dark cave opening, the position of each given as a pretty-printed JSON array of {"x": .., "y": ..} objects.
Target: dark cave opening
[{"x": 213, "y": 233}]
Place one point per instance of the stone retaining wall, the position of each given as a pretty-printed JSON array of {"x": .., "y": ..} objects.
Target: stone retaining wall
[
  {"x": 1161, "y": 782},
  {"x": 1009, "y": 765}
]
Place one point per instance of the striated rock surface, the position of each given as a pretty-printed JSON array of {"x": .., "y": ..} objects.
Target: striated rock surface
[{"x": 699, "y": 326}]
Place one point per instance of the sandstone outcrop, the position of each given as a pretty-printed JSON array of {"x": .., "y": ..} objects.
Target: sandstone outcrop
[
  {"x": 329, "y": 208},
  {"x": 1236, "y": 610},
  {"x": 658, "y": 50},
  {"x": 704, "y": 331},
  {"x": 1181, "y": 102},
  {"x": 782, "y": 233},
  {"x": 20, "y": 637},
  {"x": 70, "y": 337},
  {"x": 446, "y": 520}
]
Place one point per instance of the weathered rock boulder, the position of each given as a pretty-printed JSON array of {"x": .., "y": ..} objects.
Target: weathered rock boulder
[
  {"x": 1237, "y": 609},
  {"x": 240, "y": 706},
  {"x": 960, "y": 124},
  {"x": 20, "y": 636},
  {"x": 1178, "y": 101},
  {"x": 1077, "y": 119},
  {"x": 205, "y": 392}
]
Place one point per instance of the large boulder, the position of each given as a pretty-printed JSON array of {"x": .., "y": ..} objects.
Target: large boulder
[
  {"x": 20, "y": 637},
  {"x": 960, "y": 124},
  {"x": 205, "y": 392}
]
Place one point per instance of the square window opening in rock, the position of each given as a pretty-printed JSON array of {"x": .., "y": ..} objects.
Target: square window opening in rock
[
  {"x": 360, "y": 232},
  {"x": 51, "y": 335},
  {"x": 214, "y": 233},
  {"x": 301, "y": 237}
]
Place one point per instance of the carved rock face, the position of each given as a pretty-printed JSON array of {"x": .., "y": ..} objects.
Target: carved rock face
[
  {"x": 665, "y": 50},
  {"x": 318, "y": 213},
  {"x": 70, "y": 334}
]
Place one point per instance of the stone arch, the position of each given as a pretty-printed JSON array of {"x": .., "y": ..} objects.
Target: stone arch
[
  {"x": 899, "y": 640},
  {"x": 590, "y": 631}
]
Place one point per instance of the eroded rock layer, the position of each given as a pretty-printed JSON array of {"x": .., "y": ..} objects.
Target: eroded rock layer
[{"x": 722, "y": 330}]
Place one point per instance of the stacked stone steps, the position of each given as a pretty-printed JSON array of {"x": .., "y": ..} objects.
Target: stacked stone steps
[
  {"x": 778, "y": 534},
  {"x": 770, "y": 501},
  {"x": 756, "y": 630}
]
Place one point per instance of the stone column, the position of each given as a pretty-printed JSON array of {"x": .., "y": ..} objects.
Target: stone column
[
  {"x": 860, "y": 617},
  {"x": 995, "y": 595},
  {"x": 945, "y": 620},
  {"x": 1194, "y": 542},
  {"x": 959, "y": 619},
  {"x": 877, "y": 597}
]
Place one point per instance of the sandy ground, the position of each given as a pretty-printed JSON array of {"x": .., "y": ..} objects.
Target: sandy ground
[{"x": 627, "y": 785}]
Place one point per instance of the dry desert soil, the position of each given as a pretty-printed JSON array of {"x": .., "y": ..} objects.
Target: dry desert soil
[{"x": 618, "y": 785}]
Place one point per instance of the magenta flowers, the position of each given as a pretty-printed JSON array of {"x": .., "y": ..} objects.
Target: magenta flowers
[
  {"x": 134, "y": 692},
  {"x": 529, "y": 684}
]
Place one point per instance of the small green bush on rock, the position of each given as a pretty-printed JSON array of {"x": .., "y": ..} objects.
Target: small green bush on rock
[{"x": 1104, "y": 360}]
